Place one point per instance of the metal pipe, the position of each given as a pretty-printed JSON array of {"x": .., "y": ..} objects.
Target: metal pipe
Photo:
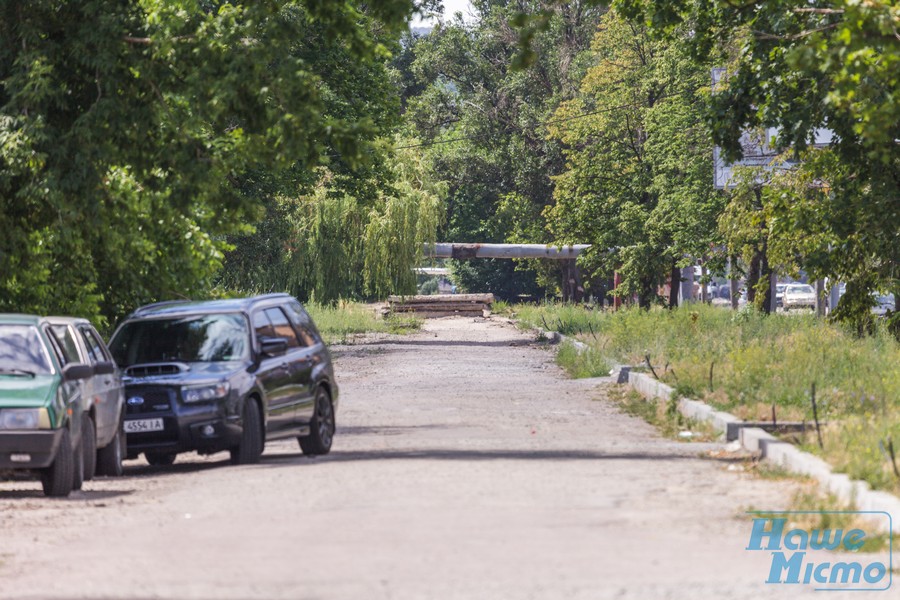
[{"x": 465, "y": 251}]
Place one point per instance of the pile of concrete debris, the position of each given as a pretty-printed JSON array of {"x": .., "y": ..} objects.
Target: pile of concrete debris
[{"x": 441, "y": 305}]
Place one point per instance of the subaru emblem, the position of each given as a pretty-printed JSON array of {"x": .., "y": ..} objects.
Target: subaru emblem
[{"x": 135, "y": 401}]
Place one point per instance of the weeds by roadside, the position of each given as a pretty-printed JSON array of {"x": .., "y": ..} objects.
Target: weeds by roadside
[
  {"x": 661, "y": 414},
  {"x": 340, "y": 322},
  {"x": 580, "y": 364}
]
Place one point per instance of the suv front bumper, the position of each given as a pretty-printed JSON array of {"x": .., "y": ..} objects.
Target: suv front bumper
[{"x": 204, "y": 427}]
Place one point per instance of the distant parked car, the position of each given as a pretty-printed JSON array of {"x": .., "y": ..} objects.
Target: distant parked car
[
  {"x": 799, "y": 295},
  {"x": 103, "y": 396},
  {"x": 40, "y": 405},
  {"x": 224, "y": 375}
]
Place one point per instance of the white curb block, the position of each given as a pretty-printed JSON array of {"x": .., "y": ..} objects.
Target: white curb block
[{"x": 781, "y": 453}]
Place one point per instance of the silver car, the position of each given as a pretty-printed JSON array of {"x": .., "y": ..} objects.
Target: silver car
[
  {"x": 799, "y": 295},
  {"x": 103, "y": 395}
]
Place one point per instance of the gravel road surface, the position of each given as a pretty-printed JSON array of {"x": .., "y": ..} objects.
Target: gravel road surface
[{"x": 466, "y": 466}]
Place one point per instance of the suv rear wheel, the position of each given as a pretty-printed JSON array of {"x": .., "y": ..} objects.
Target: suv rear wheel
[{"x": 321, "y": 428}]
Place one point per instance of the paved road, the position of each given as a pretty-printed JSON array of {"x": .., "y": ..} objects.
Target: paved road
[{"x": 466, "y": 467}]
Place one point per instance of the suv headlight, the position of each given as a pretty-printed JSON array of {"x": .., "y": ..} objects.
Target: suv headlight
[
  {"x": 24, "y": 418},
  {"x": 205, "y": 393}
]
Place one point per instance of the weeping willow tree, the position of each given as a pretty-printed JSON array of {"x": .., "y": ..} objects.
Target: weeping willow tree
[
  {"x": 398, "y": 229},
  {"x": 326, "y": 253},
  {"x": 330, "y": 244}
]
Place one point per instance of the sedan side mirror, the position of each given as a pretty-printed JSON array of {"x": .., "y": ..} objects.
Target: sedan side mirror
[
  {"x": 107, "y": 367},
  {"x": 273, "y": 346},
  {"x": 77, "y": 372}
]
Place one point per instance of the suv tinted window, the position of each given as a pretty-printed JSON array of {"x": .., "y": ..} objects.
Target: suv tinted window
[
  {"x": 262, "y": 326},
  {"x": 308, "y": 333},
  {"x": 282, "y": 326},
  {"x": 200, "y": 338}
]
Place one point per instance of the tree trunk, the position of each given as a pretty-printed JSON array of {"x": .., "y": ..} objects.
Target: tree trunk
[
  {"x": 704, "y": 286},
  {"x": 674, "y": 285},
  {"x": 572, "y": 289},
  {"x": 765, "y": 275},
  {"x": 753, "y": 275},
  {"x": 647, "y": 293},
  {"x": 734, "y": 288}
]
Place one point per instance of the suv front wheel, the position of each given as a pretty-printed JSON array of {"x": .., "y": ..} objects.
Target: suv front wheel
[
  {"x": 250, "y": 448},
  {"x": 321, "y": 427}
]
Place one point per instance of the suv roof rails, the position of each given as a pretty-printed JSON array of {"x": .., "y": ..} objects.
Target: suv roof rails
[
  {"x": 271, "y": 296},
  {"x": 158, "y": 304}
]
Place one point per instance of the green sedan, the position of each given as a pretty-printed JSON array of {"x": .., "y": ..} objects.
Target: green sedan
[{"x": 40, "y": 405}]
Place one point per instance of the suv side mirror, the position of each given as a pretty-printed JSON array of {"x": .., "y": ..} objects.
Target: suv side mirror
[
  {"x": 107, "y": 367},
  {"x": 77, "y": 372},
  {"x": 273, "y": 346}
]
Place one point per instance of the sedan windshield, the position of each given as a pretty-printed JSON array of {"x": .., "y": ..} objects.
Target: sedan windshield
[
  {"x": 22, "y": 351},
  {"x": 201, "y": 338},
  {"x": 800, "y": 289}
]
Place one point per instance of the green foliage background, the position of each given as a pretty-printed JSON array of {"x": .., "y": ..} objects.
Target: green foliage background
[{"x": 193, "y": 148}]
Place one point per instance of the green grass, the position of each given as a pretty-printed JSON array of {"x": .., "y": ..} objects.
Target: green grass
[
  {"x": 745, "y": 362},
  {"x": 587, "y": 363},
  {"x": 662, "y": 415},
  {"x": 339, "y": 323}
]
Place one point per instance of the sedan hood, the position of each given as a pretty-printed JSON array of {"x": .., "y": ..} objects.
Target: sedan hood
[{"x": 27, "y": 392}]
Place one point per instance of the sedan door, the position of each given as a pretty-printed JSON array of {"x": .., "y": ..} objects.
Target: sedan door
[
  {"x": 72, "y": 351},
  {"x": 107, "y": 387}
]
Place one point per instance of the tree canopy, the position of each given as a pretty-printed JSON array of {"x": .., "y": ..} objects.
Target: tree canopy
[
  {"x": 638, "y": 179},
  {"x": 128, "y": 132},
  {"x": 799, "y": 67}
]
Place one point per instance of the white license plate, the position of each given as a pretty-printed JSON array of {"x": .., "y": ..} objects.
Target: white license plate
[{"x": 142, "y": 425}]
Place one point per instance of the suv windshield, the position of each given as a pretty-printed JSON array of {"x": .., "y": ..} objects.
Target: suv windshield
[
  {"x": 200, "y": 338},
  {"x": 21, "y": 351}
]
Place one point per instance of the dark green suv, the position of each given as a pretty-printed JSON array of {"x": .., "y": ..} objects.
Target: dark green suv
[{"x": 40, "y": 405}]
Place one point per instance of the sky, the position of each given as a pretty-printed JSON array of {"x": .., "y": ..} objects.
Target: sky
[{"x": 450, "y": 7}]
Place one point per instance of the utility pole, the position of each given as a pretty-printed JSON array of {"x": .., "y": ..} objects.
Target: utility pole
[
  {"x": 820, "y": 298},
  {"x": 733, "y": 288}
]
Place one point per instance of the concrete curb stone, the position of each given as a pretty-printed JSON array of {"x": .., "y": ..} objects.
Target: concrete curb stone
[{"x": 788, "y": 456}]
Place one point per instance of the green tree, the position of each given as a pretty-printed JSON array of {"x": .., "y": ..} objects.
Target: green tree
[
  {"x": 799, "y": 66},
  {"x": 495, "y": 114},
  {"x": 638, "y": 184},
  {"x": 127, "y": 129}
]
